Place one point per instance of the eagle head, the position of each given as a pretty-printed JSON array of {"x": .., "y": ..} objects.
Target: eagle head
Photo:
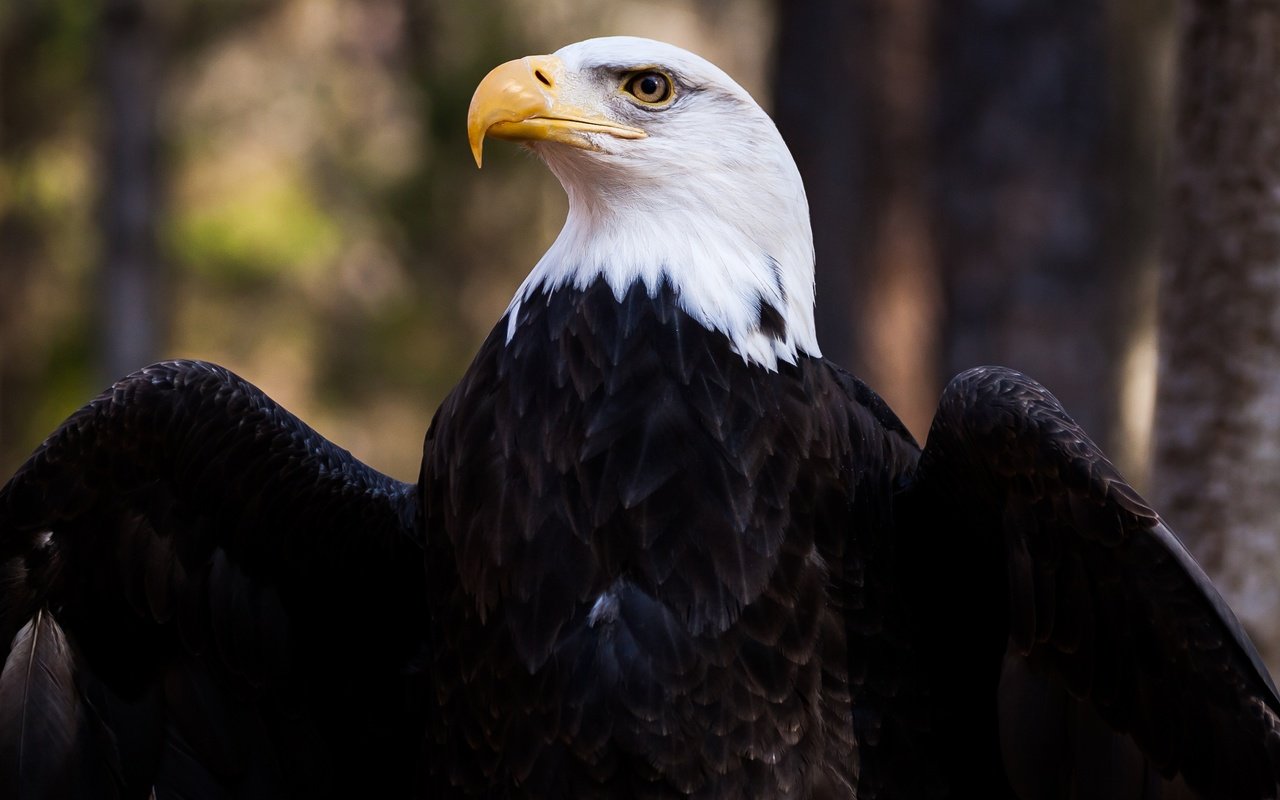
[{"x": 674, "y": 173}]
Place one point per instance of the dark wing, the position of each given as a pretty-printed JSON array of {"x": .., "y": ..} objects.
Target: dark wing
[
  {"x": 1037, "y": 563},
  {"x": 201, "y": 594}
]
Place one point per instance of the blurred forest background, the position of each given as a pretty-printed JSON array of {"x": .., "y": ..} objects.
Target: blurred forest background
[{"x": 1087, "y": 191}]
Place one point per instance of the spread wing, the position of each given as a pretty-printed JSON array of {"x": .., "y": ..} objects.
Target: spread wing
[
  {"x": 1121, "y": 671},
  {"x": 200, "y": 594}
]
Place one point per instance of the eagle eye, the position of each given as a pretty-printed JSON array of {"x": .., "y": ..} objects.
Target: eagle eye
[{"x": 649, "y": 87}]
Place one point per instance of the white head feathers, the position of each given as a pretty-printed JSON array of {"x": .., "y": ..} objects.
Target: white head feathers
[{"x": 710, "y": 199}]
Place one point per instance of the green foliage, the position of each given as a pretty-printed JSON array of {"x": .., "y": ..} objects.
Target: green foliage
[{"x": 267, "y": 227}]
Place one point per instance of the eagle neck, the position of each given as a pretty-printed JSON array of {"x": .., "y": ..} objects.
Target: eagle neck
[{"x": 752, "y": 283}]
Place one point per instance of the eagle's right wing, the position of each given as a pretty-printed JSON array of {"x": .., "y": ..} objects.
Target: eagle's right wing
[{"x": 202, "y": 596}]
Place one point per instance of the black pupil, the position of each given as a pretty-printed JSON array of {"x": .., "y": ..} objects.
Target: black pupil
[{"x": 650, "y": 85}]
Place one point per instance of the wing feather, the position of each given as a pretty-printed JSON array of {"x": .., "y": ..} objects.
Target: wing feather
[{"x": 39, "y": 710}]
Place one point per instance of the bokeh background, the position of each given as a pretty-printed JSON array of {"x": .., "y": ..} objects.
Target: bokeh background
[{"x": 284, "y": 187}]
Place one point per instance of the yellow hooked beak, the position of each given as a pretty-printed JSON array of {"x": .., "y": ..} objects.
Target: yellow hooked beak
[{"x": 521, "y": 101}]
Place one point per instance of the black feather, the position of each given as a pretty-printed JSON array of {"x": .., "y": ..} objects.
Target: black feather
[{"x": 39, "y": 711}]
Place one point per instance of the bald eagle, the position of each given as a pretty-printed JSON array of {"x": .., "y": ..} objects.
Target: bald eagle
[{"x": 659, "y": 547}]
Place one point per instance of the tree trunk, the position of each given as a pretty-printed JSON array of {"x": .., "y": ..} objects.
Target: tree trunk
[
  {"x": 1217, "y": 466},
  {"x": 129, "y": 278},
  {"x": 1035, "y": 238}
]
